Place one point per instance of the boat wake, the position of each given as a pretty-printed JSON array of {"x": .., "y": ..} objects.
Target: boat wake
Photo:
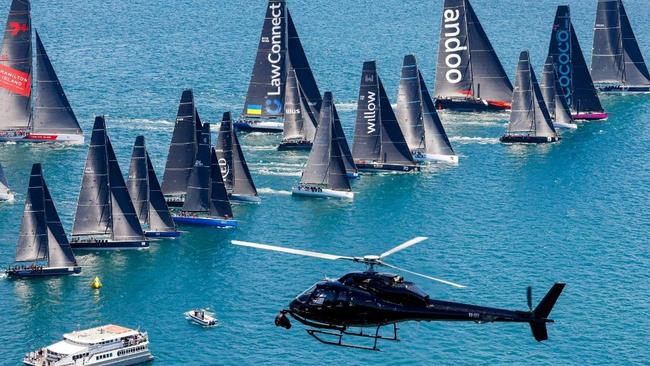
[
  {"x": 475, "y": 140},
  {"x": 261, "y": 148},
  {"x": 271, "y": 191},
  {"x": 284, "y": 172}
]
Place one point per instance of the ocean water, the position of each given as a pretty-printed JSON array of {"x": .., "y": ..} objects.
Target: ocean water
[{"x": 505, "y": 218}]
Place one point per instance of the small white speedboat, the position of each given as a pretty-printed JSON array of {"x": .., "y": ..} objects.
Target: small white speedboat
[{"x": 201, "y": 317}]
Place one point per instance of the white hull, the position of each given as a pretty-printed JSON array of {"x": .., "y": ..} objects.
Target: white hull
[
  {"x": 449, "y": 159},
  {"x": 323, "y": 193},
  {"x": 569, "y": 126},
  {"x": 244, "y": 198},
  {"x": 7, "y": 197},
  {"x": 72, "y": 139}
]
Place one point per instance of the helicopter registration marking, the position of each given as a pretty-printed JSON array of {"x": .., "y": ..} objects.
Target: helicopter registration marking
[{"x": 474, "y": 315}]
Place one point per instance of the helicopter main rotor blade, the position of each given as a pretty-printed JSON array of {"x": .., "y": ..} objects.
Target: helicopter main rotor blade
[
  {"x": 290, "y": 251},
  {"x": 423, "y": 275},
  {"x": 403, "y": 246}
]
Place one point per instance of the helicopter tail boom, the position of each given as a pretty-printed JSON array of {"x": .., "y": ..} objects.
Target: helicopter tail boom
[{"x": 543, "y": 310}]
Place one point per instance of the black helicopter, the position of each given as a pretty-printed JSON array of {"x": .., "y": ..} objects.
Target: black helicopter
[{"x": 372, "y": 299}]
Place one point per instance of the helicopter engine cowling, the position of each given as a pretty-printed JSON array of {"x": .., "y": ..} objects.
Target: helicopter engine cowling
[{"x": 282, "y": 320}]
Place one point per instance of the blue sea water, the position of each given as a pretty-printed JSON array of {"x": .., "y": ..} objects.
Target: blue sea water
[{"x": 505, "y": 218}]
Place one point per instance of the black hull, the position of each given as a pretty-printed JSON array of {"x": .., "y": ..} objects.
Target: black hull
[
  {"x": 255, "y": 126},
  {"x": 110, "y": 245},
  {"x": 522, "y": 139},
  {"x": 174, "y": 203},
  {"x": 623, "y": 89},
  {"x": 42, "y": 272},
  {"x": 470, "y": 105},
  {"x": 293, "y": 146},
  {"x": 373, "y": 167}
]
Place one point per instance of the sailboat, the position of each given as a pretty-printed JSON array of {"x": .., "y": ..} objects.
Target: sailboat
[
  {"x": 206, "y": 203},
  {"x": 378, "y": 141},
  {"x": 234, "y": 170},
  {"x": 105, "y": 217},
  {"x": 617, "y": 64},
  {"x": 325, "y": 175},
  {"x": 31, "y": 113},
  {"x": 469, "y": 75},
  {"x": 555, "y": 102},
  {"x": 575, "y": 81},
  {"x": 299, "y": 119},
  {"x": 279, "y": 50},
  {"x": 530, "y": 121},
  {"x": 43, "y": 248},
  {"x": 182, "y": 151},
  {"x": 5, "y": 192},
  {"x": 147, "y": 197},
  {"x": 418, "y": 119}
]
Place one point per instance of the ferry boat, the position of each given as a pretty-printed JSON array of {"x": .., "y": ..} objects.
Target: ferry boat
[{"x": 106, "y": 345}]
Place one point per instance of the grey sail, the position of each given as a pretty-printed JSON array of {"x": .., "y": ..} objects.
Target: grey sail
[
  {"x": 32, "y": 242},
  {"x": 125, "y": 225},
  {"x": 219, "y": 203},
  {"x": 304, "y": 75},
  {"x": 551, "y": 92},
  {"x": 52, "y": 111},
  {"x": 367, "y": 132},
  {"x": 436, "y": 141},
  {"x": 265, "y": 96},
  {"x": 93, "y": 206},
  {"x": 58, "y": 248},
  {"x": 409, "y": 105},
  {"x": 16, "y": 67},
  {"x": 342, "y": 142},
  {"x": 235, "y": 173},
  {"x": 394, "y": 149},
  {"x": 183, "y": 148},
  {"x": 616, "y": 56},
  {"x": 293, "y": 113},
  {"x": 529, "y": 114},
  {"x": 198, "y": 194},
  {"x": 138, "y": 181},
  {"x": 325, "y": 165},
  {"x": 575, "y": 80},
  {"x": 158, "y": 214}
]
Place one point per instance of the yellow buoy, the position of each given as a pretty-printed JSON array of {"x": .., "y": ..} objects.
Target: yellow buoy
[{"x": 96, "y": 284}]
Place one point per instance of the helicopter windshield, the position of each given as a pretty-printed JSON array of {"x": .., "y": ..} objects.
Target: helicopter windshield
[{"x": 323, "y": 296}]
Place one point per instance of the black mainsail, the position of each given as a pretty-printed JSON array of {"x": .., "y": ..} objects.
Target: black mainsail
[
  {"x": 183, "y": 148},
  {"x": 52, "y": 110},
  {"x": 377, "y": 135},
  {"x": 325, "y": 166},
  {"x": 468, "y": 67},
  {"x": 198, "y": 187},
  {"x": 16, "y": 68},
  {"x": 616, "y": 57},
  {"x": 59, "y": 252},
  {"x": 576, "y": 84},
  {"x": 234, "y": 170},
  {"x": 529, "y": 119},
  {"x": 555, "y": 103},
  {"x": 219, "y": 203}
]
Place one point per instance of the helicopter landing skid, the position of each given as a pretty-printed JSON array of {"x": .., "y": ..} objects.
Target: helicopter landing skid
[{"x": 338, "y": 334}]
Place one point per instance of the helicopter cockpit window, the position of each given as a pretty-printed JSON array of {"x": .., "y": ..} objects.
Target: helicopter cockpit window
[{"x": 323, "y": 296}]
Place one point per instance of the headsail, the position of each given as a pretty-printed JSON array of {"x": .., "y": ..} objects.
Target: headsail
[
  {"x": 573, "y": 75},
  {"x": 219, "y": 203},
  {"x": 58, "y": 248},
  {"x": 183, "y": 148},
  {"x": 124, "y": 220},
  {"x": 529, "y": 114},
  {"x": 616, "y": 56},
  {"x": 52, "y": 111},
  {"x": 159, "y": 217},
  {"x": 467, "y": 65},
  {"x": 265, "y": 97},
  {"x": 325, "y": 165},
  {"x": 234, "y": 170},
  {"x": 304, "y": 75},
  {"x": 138, "y": 181},
  {"x": 198, "y": 195},
  {"x": 4, "y": 185},
  {"x": 32, "y": 243},
  {"x": 93, "y": 206},
  {"x": 342, "y": 142},
  {"x": 551, "y": 92},
  {"x": 409, "y": 105},
  {"x": 436, "y": 141},
  {"x": 16, "y": 68}
]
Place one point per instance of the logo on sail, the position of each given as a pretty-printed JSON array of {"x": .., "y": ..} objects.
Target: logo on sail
[
  {"x": 17, "y": 28},
  {"x": 275, "y": 59},
  {"x": 370, "y": 115},
  {"x": 15, "y": 81},
  {"x": 563, "y": 58},
  {"x": 453, "y": 45},
  {"x": 224, "y": 167}
]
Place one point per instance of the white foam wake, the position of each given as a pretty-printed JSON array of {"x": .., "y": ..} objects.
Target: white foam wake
[
  {"x": 474, "y": 140},
  {"x": 280, "y": 192}
]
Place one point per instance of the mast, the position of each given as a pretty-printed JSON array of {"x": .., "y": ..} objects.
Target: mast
[
  {"x": 183, "y": 148},
  {"x": 468, "y": 66},
  {"x": 52, "y": 110},
  {"x": 93, "y": 206},
  {"x": 158, "y": 213},
  {"x": 616, "y": 56},
  {"x": 32, "y": 242},
  {"x": 529, "y": 114},
  {"x": 16, "y": 68},
  {"x": 59, "y": 252},
  {"x": 138, "y": 181},
  {"x": 219, "y": 203},
  {"x": 265, "y": 97},
  {"x": 577, "y": 86},
  {"x": 198, "y": 196},
  {"x": 436, "y": 141},
  {"x": 409, "y": 105}
]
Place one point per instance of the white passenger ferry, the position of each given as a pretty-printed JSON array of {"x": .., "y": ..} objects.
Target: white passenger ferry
[{"x": 105, "y": 345}]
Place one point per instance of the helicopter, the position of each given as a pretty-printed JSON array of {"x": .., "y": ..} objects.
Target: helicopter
[{"x": 373, "y": 300}]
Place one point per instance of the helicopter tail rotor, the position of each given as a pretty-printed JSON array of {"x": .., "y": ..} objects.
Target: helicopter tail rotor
[{"x": 543, "y": 310}]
